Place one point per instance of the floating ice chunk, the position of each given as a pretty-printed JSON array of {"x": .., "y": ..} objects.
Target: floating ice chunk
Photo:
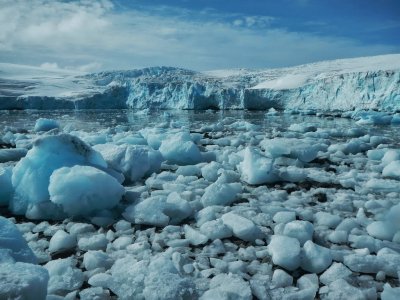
[
  {"x": 387, "y": 228},
  {"x": 257, "y": 168},
  {"x": 341, "y": 289},
  {"x": 301, "y": 230},
  {"x": 127, "y": 280},
  {"x": 13, "y": 154},
  {"x": 334, "y": 272},
  {"x": 96, "y": 259},
  {"x": 241, "y": 227},
  {"x": 194, "y": 236},
  {"x": 315, "y": 259},
  {"x": 221, "y": 194},
  {"x": 82, "y": 190},
  {"x": 93, "y": 242},
  {"x": 12, "y": 239},
  {"x": 284, "y": 216},
  {"x": 43, "y": 124},
  {"x": 62, "y": 241},
  {"x": 164, "y": 282},
  {"x": 383, "y": 185},
  {"x": 228, "y": 286},
  {"x": 210, "y": 171},
  {"x": 390, "y": 293},
  {"x": 7, "y": 190},
  {"x": 390, "y": 156},
  {"x": 305, "y": 150},
  {"x": 327, "y": 219},
  {"x": 180, "y": 149},
  {"x": 23, "y": 281},
  {"x": 302, "y": 127},
  {"x": 64, "y": 276},
  {"x": 216, "y": 229},
  {"x": 133, "y": 161},
  {"x": 31, "y": 175},
  {"x": 122, "y": 242},
  {"x": 188, "y": 171},
  {"x": 281, "y": 279},
  {"x": 80, "y": 228},
  {"x": 96, "y": 293},
  {"x": 392, "y": 170},
  {"x": 285, "y": 252},
  {"x": 159, "y": 210},
  {"x": 381, "y": 230},
  {"x": 292, "y": 174}
]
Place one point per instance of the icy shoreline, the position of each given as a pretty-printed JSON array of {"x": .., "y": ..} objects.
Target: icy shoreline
[
  {"x": 204, "y": 206},
  {"x": 341, "y": 85}
]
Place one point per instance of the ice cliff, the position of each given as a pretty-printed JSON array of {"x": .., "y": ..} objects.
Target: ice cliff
[{"x": 362, "y": 83}]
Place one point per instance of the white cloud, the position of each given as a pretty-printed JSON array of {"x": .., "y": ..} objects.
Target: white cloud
[{"x": 90, "y": 35}]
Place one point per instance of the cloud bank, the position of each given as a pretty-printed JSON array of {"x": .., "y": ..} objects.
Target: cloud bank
[{"x": 94, "y": 35}]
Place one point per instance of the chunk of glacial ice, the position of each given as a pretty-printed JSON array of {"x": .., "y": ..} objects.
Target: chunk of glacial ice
[
  {"x": 257, "y": 168},
  {"x": 180, "y": 149},
  {"x": 23, "y": 281},
  {"x": 82, "y": 190},
  {"x": 285, "y": 252},
  {"x": 31, "y": 175},
  {"x": 43, "y": 124},
  {"x": 11, "y": 239}
]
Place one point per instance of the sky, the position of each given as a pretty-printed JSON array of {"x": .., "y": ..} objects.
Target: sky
[{"x": 91, "y": 36}]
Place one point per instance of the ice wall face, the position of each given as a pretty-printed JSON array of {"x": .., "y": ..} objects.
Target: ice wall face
[{"x": 364, "y": 83}]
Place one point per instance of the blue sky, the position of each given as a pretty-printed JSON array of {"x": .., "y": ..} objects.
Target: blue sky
[{"x": 201, "y": 35}]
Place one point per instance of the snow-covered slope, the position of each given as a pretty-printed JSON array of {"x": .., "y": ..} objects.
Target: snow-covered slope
[{"x": 365, "y": 83}]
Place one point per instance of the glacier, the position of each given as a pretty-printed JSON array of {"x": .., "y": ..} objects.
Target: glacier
[{"x": 337, "y": 85}]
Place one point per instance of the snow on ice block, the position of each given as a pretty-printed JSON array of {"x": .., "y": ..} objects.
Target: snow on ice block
[
  {"x": 43, "y": 124},
  {"x": 220, "y": 194},
  {"x": 32, "y": 173},
  {"x": 285, "y": 252},
  {"x": 314, "y": 258},
  {"x": 301, "y": 230},
  {"x": 64, "y": 276},
  {"x": 133, "y": 161},
  {"x": 257, "y": 168},
  {"x": 392, "y": 170},
  {"x": 241, "y": 227},
  {"x": 11, "y": 238},
  {"x": 6, "y": 190},
  {"x": 228, "y": 286},
  {"x": 82, "y": 190},
  {"x": 305, "y": 150},
  {"x": 23, "y": 281},
  {"x": 180, "y": 149}
]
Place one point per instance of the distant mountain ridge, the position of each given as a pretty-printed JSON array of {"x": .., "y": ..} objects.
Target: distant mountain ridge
[{"x": 346, "y": 84}]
